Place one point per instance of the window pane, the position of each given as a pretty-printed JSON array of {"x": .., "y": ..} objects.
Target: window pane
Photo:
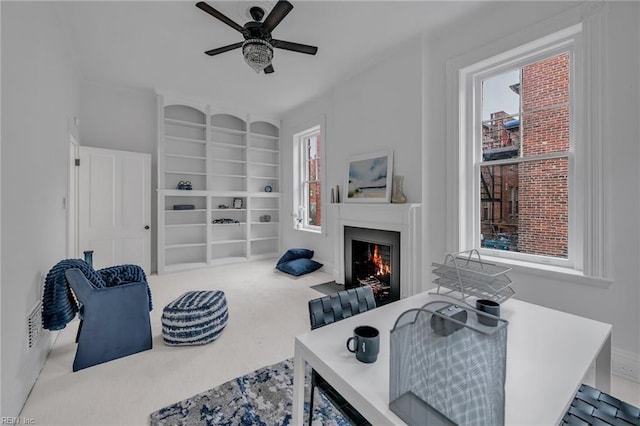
[
  {"x": 545, "y": 131},
  {"x": 313, "y": 147},
  {"x": 312, "y": 196},
  {"x": 545, "y": 83},
  {"x": 501, "y": 116},
  {"x": 315, "y": 204},
  {"x": 524, "y": 207}
]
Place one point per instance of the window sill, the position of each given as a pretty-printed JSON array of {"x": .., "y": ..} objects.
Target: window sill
[
  {"x": 312, "y": 231},
  {"x": 550, "y": 272}
]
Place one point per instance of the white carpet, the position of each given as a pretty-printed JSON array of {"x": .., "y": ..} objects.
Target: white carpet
[{"x": 267, "y": 309}]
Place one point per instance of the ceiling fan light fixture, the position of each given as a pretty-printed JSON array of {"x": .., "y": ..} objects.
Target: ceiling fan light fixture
[{"x": 257, "y": 53}]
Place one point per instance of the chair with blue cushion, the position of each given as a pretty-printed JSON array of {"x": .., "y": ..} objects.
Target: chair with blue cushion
[
  {"x": 327, "y": 310},
  {"x": 114, "y": 320}
]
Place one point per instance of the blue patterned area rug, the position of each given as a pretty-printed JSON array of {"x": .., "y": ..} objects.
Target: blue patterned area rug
[{"x": 263, "y": 397}]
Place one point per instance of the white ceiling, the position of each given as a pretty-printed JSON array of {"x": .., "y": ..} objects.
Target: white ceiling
[{"x": 160, "y": 45}]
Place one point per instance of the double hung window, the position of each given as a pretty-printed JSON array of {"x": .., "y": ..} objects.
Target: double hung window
[
  {"x": 527, "y": 150},
  {"x": 308, "y": 204}
]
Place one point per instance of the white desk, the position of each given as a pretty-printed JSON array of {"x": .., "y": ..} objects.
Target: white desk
[{"x": 548, "y": 355}]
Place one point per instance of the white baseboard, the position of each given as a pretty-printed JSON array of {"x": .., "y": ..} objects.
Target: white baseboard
[{"x": 625, "y": 364}]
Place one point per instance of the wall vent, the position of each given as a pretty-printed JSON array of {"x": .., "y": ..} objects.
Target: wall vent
[{"x": 34, "y": 324}]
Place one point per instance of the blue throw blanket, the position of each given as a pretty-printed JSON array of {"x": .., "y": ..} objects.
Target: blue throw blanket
[{"x": 59, "y": 305}]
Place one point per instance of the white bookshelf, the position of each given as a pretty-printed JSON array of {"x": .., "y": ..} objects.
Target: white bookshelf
[{"x": 226, "y": 157}]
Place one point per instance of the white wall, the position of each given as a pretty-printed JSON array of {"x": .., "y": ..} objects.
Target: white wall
[
  {"x": 40, "y": 97},
  {"x": 124, "y": 119},
  {"x": 386, "y": 106},
  {"x": 374, "y": 110},
  {"x": 620, "y": 303}
]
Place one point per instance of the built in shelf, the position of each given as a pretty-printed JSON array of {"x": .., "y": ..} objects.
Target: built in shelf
[
  {"x": 228, "y": 130},
  {"x": 184, "y": 245},
  {"x": 220, "y": 242},
  {"x": 222, "y": 160},
  {"x": 178, "y": 172},
  {"x": 173, "y": 267},
  {"x": 274, "y": 151},
  {"x": 185, "y": 211},
  {"x": 225, "y": 156},
  {"x": 262, "y": 136},
  {"x": 190, "y": 157},
  {"x": 228, "y": 145},
  {"x": 183, "y": 139},
  {"x": 184, "y": 123}
]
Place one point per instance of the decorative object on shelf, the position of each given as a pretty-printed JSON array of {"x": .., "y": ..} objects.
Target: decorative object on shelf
[
  {"x": 397, "y": 195},
  {"x": 223, "y": 206},
  {"x": 369, "y": 178},
  {"x": 466, "y": 367},
  {"x": 224, "y": 221},
  {"x": 466, "y": 274},
  {"x": 333, "y": 196},
  {"x": 298, "y": 216},
  {"x": 185, "y": 185},
  {"x": 268, "y": 188},
  {"x": 184, "y": 206},
  {"x": 338, "y": 194},
  {"x": 237, "y": 203},
  {"x": 265, "y": 218}
]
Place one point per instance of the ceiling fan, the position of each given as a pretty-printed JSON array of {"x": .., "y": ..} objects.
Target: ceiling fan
[{"x": 257, "y": 47}]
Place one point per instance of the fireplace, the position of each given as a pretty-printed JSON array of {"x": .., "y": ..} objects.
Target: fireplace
[{"x": 372, "y": 257}]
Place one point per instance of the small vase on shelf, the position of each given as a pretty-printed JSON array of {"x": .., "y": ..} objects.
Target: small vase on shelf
[{"x": 397, "y": 194}]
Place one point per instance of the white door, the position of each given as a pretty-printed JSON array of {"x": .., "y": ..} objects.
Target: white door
[{"x": 114, "y": 207}]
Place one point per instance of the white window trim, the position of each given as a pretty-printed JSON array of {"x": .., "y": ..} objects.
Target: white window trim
[
  {"x": 300, "y": 218},
  {"x": 582, "y": 27}
]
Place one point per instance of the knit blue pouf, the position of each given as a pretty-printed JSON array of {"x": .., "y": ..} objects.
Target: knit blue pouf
[{"x": 195, "y": 318}]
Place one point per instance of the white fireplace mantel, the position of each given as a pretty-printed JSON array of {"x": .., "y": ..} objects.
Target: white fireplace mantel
[{"x": 403, "y": 218}]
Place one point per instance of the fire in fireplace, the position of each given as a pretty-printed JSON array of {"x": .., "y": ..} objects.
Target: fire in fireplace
[{"x": 372, "y": 257}]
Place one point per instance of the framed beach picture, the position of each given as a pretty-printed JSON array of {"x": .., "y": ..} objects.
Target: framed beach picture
[{"x": 369, "y": 178}]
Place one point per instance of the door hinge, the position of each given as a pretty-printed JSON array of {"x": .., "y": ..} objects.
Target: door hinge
[{"x": 77, "y": 161}]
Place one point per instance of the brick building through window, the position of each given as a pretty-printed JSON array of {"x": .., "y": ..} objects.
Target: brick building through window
[{"x": 525, "y": 166}]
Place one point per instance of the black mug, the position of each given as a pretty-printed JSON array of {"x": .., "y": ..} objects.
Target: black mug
[
  {"x": 490, "y": 307},
  {"x": 367, "y": 343}
]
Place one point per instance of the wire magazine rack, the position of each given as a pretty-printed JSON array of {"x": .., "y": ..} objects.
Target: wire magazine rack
[
  {"x": 467, "y": 274},
  {"x": 447, "y": 370}
]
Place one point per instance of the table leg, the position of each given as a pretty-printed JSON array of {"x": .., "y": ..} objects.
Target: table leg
[
  {"x": 603, "y": 367},
  {"x": 298, "y": 387}
]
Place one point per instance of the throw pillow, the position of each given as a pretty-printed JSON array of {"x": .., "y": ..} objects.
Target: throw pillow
[
  {"x": 295, "y": 253},
  {"x": 299, "y": 267}
]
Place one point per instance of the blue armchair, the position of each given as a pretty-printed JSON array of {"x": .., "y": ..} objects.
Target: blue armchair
[{"x": 115, "y": 320}]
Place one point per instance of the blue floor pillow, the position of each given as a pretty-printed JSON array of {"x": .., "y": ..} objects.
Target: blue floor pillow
[
  {"x": 295, "y": 253},
  {"x": 299, "y": 267}
]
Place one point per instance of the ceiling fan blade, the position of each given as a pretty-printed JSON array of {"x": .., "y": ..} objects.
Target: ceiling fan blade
[
  {"x": 269, "y": 69},
  {"x": 277, "y": 14},
  {"x": 223, "y": 49},
  {"x": 213, "y": 12},
  {"x": 294, "y": 47}
]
